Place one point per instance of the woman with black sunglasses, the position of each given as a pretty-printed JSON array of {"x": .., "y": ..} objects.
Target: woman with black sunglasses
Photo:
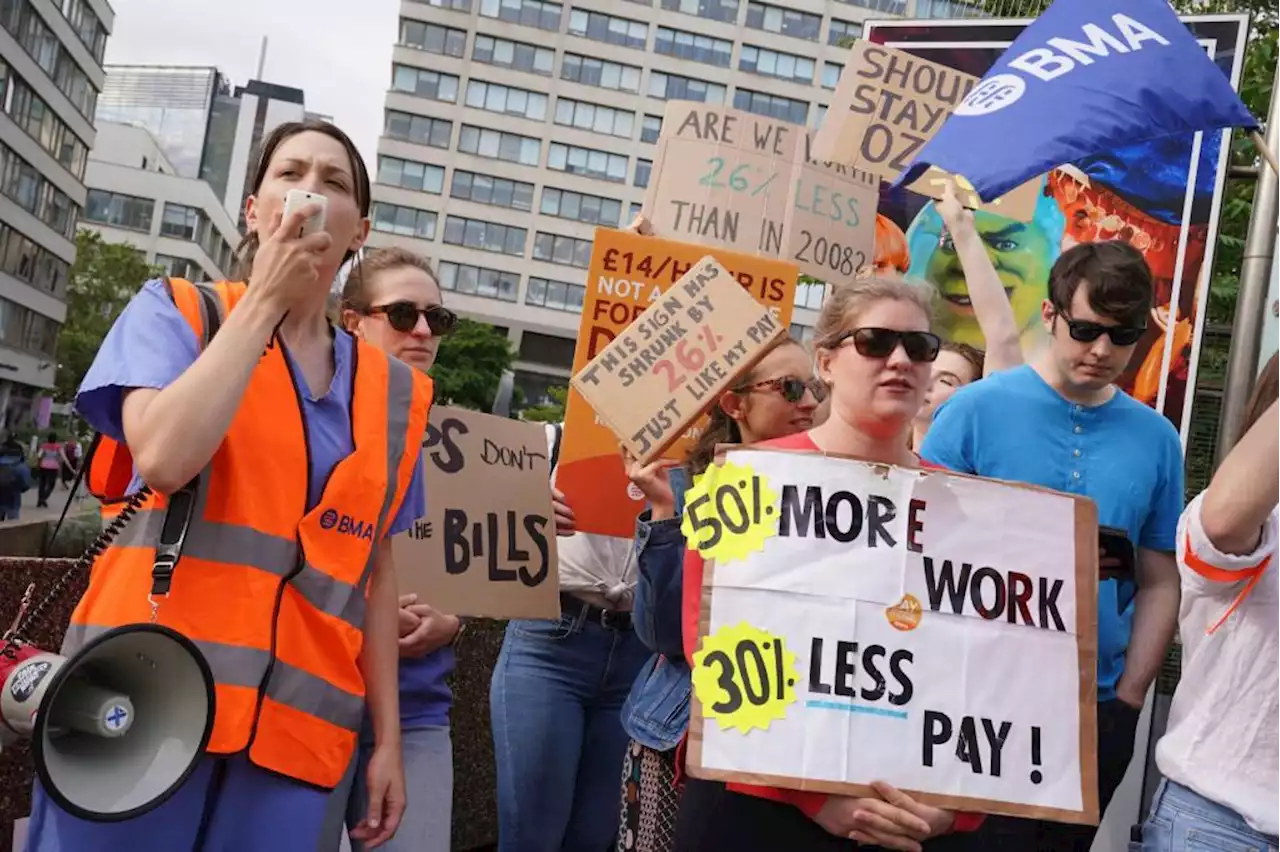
[
  {"x": 874, "y": 353},
  {"x": 778, "y": 397}
]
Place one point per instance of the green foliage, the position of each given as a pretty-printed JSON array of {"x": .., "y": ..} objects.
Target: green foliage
[
  {"x": 470, "y": 364},
  {"x": 552, "y": 412},
  {"x": 105, "y": 276}
]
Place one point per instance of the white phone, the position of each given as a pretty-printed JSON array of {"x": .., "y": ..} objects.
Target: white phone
[{"x": 298, "y": 198}]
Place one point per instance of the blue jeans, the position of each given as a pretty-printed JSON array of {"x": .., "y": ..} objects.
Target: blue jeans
[
  {"x": 1182, "y": 820},
  {"x": 243, "y": 809},
  {"x": 556, "y": 702}
]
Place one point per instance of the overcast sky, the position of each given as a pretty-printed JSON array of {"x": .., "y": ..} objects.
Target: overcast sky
[{"x": 337, "y": 51}]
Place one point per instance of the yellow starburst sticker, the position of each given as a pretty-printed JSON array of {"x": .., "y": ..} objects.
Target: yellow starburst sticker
[
  {"x": 744, "y": 677},
  {"x": 729, "y": 512}
]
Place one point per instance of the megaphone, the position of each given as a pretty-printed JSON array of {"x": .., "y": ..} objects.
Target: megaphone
[{"x": 115, "y": 729}]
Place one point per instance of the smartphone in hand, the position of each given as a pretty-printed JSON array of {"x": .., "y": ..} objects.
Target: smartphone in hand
[
  {"x": 298, "y": 198},
  {"x": 1117, "y": 557}
]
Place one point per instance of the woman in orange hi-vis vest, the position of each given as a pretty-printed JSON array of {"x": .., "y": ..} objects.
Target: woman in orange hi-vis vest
[{"x": 297, "y": 448}]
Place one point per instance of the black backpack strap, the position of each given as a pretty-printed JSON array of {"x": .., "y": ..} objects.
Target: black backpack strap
[
  {"x": 555, "y": 445},
  {"x": 212, "y": 312}
]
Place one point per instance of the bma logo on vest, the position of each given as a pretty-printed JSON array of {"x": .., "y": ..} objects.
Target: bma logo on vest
[
  {"x": 1059, "y": 56},
  {"x": 346, "y": 525}
]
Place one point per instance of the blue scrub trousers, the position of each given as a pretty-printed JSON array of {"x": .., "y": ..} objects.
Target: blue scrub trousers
[{"x": 247, "y": 809}]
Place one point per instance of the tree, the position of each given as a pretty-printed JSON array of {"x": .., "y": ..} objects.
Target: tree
[
  {"x": 470, "y": 364},
  {"x": 550, "y": 412},
  {"x": 103, "y": 279}
]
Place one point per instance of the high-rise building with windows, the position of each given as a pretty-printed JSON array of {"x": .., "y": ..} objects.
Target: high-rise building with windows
[
  {"x": 514, "y": 127},
  {"x": 50, "y": 77}
]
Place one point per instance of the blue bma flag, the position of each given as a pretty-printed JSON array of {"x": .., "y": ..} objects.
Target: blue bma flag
[{"x": 1085, "y": 77}]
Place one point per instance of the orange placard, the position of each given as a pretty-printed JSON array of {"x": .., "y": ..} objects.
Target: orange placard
[{"x": 627, "y": 273}]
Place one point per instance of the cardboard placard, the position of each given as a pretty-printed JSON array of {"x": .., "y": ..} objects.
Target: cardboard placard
[
  {"x": 731, "y": 178},
  {"x": 886, "y": 106},
  {"x": 487, "y": 545},
  {"x": 628, "y": 273},
  {"x": 669, "y": 366},
  {"x": 861, "y": 621}
]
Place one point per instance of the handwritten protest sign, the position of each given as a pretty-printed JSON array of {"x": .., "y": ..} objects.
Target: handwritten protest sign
[
  {"x": 727, "y": 177},
  {"x": 864, "y": 622},
  {"x": 669, "y": 366},
  {"x": 487, "y": 545},
  {"x": 887, "y": 104},
  {"x": 628, "y": 273}
]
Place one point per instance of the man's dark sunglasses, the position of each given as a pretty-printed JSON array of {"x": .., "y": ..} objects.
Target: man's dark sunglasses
[
  {"x": 403, "y": 317},
  {"x": 790, "y": 388},
  {"x": 920, "y": 346},
  {"x": 1085, "y": 331}
]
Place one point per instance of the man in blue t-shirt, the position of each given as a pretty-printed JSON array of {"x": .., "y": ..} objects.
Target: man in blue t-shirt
[{"x": 1061, "y": 423}]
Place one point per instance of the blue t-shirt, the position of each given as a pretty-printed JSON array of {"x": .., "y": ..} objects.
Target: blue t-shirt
[
  {"x": 1124, "y": 456},
  {"x": 151, "y": 345}
]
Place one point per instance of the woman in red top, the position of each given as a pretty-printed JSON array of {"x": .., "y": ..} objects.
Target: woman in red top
[{"x": 874, "y": 351}]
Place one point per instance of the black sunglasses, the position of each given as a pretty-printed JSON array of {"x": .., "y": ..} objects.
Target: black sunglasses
[
  {"x": 1087, "y": 332},
  {"x": 790, "y": 388},
  {"x": 403, "y": 317},
  {"x": 921, "y": 346}
]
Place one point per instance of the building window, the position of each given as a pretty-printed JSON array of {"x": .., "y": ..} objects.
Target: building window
[
  {"x": 802, "y": 333},
  {"x": 26, "y": 25},
  {"x": 27, "y": 187},
  {"x": 39, "y": 332},
  {"x": 598, "y": 119},
  {"x": 478, "y": 281},
  {"x": 893, "y": 7},
  {"x": 580, "y": 207},
  {"x": 22, "y": 258},
  {"x": 421, "y": 129},
  {"x": 643, "y": 170},
  {"x": 30, "y": 112},
  {"x": 433, "y": 38},
  {"x": 556, "y": 295},
  {"x": 507, "y": 100},
  {"x": 608, "y": 29},
  {"x": 119, "y": 211},
  {"x": 699, "y": 48},
  {"x": 513, "y": 54},
  {"x": 587, "y": 161},
  {"x": 495, "y": 191},
  {"x": 819, "y": 114},
  {"x": 712, "y": 10},
  {"x": 499, "y": 146},
  {"x": 410, "y": 174},
  {"x": 87, "y": 26},
  {"x": 452, "y": 5},
  {"x": 180, "y": 221},
  {"x": 636, "y": 207},
  {"x": 843, "y": 33},
  {"x": 180, "y": 267},
  {"x": 486, "y": 236},
  {"x": 810, "y": 295},
  {"x": 567, "y": 251},
  {"x": 789, "y": 22},
  {"x": 600, "y": 73},
  {"x": 831, "y": 74},
  {"x": 944, "y": 9},
  {"x": 673, "y": 87},
  {"x": 771, "y": 63},
  {"x": 424, "y": 83},
  {"x": 405, "y": 221},
  {"x": 773, "y": 106},
  {"x": 651, "y": 129},
  {"x": 530, "y": 13}
]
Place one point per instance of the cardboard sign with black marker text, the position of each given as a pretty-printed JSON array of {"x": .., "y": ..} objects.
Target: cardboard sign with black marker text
[
  {"x": 887, "y": 104},
  {"x": 730, "y": 178},
  {"x": 864, "y": 622},
  {"x": 487, "y": 544},
  {"x": 669, "y": 366}
]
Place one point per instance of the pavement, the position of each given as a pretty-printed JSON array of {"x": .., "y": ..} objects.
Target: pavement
[{"x": 83, "y": 503}]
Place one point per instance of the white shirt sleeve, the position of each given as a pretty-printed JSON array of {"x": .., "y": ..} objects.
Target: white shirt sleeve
[{"x": 1195, "y": 547}]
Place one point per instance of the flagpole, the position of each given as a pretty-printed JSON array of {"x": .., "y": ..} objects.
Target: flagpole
[{"x": 1261, "y": 145}]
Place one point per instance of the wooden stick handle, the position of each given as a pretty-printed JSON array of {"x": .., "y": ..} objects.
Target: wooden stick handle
[{"x": 1267, "y": 153}]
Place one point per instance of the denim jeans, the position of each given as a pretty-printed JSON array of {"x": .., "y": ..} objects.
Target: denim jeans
[
  {"x": 1182, "y": 820},
  {"x": 556, "y": 702}
]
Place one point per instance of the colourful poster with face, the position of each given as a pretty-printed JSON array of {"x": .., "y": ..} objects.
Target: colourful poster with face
[{"x": 1162, "y": 196}]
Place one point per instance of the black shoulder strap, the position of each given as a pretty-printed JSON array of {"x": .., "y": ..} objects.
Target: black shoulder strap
[
  {"x": 212, "y": 312},
  {"x": 555, "y": 445}
]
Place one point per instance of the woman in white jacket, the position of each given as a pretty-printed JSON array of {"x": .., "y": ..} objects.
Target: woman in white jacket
[{"x": 1220, "y": 755}]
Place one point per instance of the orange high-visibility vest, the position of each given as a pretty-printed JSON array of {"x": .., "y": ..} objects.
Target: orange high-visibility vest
[{"x": 271, "y": 593}]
